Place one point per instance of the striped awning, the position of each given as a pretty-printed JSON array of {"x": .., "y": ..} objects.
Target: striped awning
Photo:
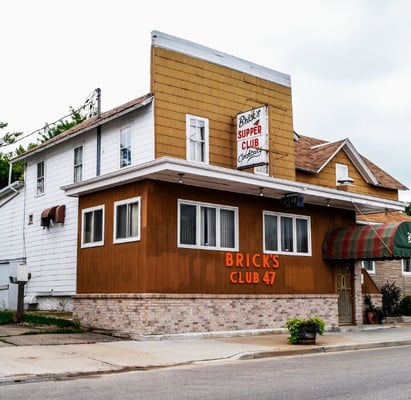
[{"x": 368, "y": 242}]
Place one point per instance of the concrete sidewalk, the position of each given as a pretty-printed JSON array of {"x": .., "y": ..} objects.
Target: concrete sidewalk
[{"x": 38, "y": 357}]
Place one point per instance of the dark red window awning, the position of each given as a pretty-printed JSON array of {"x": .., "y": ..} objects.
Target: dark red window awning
[{"x": 368, "y": 242}]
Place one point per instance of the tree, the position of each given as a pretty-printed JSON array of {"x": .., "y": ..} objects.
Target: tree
[
  {"x": 18, "y": 168},
  {"x": 48, "y": 132},
  {"x": 408, "y": 208}
]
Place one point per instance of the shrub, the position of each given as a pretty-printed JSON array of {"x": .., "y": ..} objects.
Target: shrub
[
  {"x": 391, "y": 295},
  {"x": 404, "y": 307},
  {"x": 296, "y": 326}
]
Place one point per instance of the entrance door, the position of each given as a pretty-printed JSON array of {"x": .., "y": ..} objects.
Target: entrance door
[{"x": 343, "y": 282}]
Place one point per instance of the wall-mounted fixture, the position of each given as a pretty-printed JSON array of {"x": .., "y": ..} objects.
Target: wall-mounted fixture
[
  {"x": 261, "y": 193},
  {"x": 180, "y": 177},
  {"x": 345, "y": 181},
  {"x": 55, "y": 214}
]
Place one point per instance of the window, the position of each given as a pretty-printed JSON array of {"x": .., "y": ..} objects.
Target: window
[
  {"x": 207, "y": 226},
  {"x": 92, "y": 233},
  {"x": 40, "y": 178},
  {"x": 125, "y": 147},
  {"x": 287, "y": 234},
  {"x": 341, "y": 175},
  {"x": 197, "y": 138},
  {"x": 406, "y": 266},
  {"x": 127, "y": 220},
  {"x": 78, "y": 164},
  {"x": 369, "y": 266}
]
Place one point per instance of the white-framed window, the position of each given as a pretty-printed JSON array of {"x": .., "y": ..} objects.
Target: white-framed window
[
  {"x": 40, "y": 178},
  {"x": 127, "y": 220},
  {"x": 197, "y": 139},
  {"x": 125, "y": 146},
  {"x": 207, "y": 226},
  {"x": 369, "y": 266},
  {"x": 341, "y": 175},
  {"x": 92, "y": 222},
  {"x": 78, "y": 164},
  {"x": 286, "y": 233},
  {"x": 406, "y": 266}
]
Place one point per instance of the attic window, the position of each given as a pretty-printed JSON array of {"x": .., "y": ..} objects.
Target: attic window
[{"x": 341, "y": 175}]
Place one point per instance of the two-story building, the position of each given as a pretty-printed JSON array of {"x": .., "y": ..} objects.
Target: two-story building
[{"x": 197, "y": 207}]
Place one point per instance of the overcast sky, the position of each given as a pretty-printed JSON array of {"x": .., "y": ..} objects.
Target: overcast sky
[{"x": 349, "y": 60}]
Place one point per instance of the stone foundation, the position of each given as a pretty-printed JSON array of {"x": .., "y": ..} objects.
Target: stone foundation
[{"x": 160, "y": 314}]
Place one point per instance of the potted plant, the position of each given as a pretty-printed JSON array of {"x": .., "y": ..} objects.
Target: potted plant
[
  {"x": 370, "y": 310},
  {"x": 304, "y": 330}
]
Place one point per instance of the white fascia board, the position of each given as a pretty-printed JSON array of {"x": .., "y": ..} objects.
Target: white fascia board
[
  {"x": 224, "y": 176},
  {"x": 64, "y": 138},
  {"x": 192, "y": 49},
  {"x": 332, "y": 155},
  {"x": 359, "y": 163}
]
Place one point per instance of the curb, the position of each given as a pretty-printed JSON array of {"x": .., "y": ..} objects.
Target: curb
[
  {"x": 243, "y": 357},
  {"x": 324, "y": 349}
]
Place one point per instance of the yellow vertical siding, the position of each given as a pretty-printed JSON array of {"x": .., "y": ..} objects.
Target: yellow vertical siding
[
  {"x": 327, "y": 178},
  {"x": 186, "y": 85}
]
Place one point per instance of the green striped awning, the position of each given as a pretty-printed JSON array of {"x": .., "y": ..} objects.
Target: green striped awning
[{"x": 368, "y": 242}]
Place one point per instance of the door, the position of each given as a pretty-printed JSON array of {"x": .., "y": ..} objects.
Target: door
[{"x": 344, "y": 291}]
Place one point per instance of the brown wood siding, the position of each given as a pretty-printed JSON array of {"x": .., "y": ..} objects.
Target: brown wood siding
[
  {"x": 186, "y": 85},
  {"x": 327, "y": 177},
  {"x": 156, "y": 265}
]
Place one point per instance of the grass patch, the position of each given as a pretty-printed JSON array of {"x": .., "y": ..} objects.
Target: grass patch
[
  {"x": 57, "y": 330},
  {"x": 8, "y": 317}
]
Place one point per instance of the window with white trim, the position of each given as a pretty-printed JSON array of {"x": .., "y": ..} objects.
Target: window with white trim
[
  {"x": 127, "y": 220},
  {"x": 286, "y": 233},
  {"x": 196, "y": 138},
  {"x": 125, "y": 147},
  {"x": 78, "y": 164},
  {"x": 92, "y": 222},
  {"x": 207, "y": 226},
  {"x": 40, "y": 178},
  {"x": 369, "y": 266},
  {"x": 406, "y": 266}
]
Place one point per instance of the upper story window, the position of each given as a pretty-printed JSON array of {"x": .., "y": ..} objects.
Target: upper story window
[
  {"x": 40, "y": 178},
  {"x": 197, "y": 138},
  {"x": 341, "y": 175},
  {"x": 92, "y": 233},
  {"x": 78, "y": 164},
  {"x": 207, "y": 226},
  {"x": 406, "y": 266},
  {"x": 127, "y": 220},
  {"x": 286, "y": 233},
  {"x": 125, "y": 147},
  {"x": 369, "y": 265}
]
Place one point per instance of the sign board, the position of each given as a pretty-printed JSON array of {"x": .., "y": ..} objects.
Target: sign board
[
  {"x": 252, "y": 138},
  {"x": 22, "y": 273},
  {"x": 293, "y": 200}
]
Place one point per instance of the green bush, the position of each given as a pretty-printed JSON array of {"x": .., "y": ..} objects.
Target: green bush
[
  {"x": 404, "y": 307},
  {"x": 391, "y": 295},
  {"x": 298, "y": 325}
]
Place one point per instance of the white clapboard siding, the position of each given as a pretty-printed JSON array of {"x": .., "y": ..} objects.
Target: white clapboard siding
[
  {"x": 52, "y": 253},
  {"x": 11, "y": 227},
  {"x": 142, "y": 142}
]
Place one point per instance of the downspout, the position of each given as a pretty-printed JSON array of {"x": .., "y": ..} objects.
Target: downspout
[
  {"x": 98, "y": 157},
  {"x": 10, "y": 173}
]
